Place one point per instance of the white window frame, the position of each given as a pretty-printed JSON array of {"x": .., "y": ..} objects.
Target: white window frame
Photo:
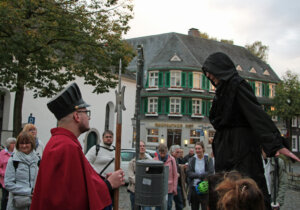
[
  {"x": 197, "y": 82},
  {"x": 153, "y": 79},
  {"x": 152, "y": 135},
  {"x": 294, "y": 144},
  {"x": 294, "y": 122},
  {"x": 196, "y": 137},
  {"x": 175, "y": 79},
  {"x": 272, "y": 90},
  {"x": 175, "y": 106},
  {"x": 258, "y": 89},
  {"x": 197, "y": 106},
  {"x": 152, "y": 106}
]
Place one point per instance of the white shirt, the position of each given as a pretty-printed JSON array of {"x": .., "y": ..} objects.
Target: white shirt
[{"x": 199, "y": 168}]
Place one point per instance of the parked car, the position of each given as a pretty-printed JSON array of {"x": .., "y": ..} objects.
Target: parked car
[{"x": 126, "y": 156}]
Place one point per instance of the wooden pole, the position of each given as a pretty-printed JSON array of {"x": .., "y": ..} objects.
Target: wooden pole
[{"x": 119, "y": 107}]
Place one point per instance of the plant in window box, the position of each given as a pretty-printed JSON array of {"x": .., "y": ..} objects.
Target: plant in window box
[
  {"x": 175, "y": 113},
  {"x": 151, "y": 112},
  {"x": 175, "y": 86},
  {"x": 197, "y": 114}
]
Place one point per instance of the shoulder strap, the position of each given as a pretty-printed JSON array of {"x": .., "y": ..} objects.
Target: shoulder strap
[
  {"x": 16, "y": 164},
  {"x": 206, "y": 162},
  {"x": 97, "y": 149}
]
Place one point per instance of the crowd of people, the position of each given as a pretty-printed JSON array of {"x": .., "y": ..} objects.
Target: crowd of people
[{"x": 243, "y": 171}]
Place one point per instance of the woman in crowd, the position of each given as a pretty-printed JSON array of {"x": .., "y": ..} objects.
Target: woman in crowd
[
  {"x": 4, "y": 156},
  {"x": 173, "y": 176},
  {"x": 39, "y": 146},
  {"x": 200, "y": 166},
  {"x": 131, "y": 174},
  {"x": 21, "y": 172}
]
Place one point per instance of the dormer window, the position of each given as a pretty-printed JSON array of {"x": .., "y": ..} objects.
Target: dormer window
[
  {"x": 239, "y": 68},
  {"x": 252, "y": 70}
]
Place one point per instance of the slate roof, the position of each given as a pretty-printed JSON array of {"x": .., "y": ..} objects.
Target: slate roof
[{"x": 159, "y": 49}]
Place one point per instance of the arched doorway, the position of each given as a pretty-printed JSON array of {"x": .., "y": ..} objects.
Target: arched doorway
[{"x": 92, "y": 138}]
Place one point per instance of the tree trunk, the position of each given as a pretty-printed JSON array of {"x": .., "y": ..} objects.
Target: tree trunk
[{"x": 17, "y": 119}]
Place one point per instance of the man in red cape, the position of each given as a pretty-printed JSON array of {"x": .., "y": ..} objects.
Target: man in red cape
[{"x": 66, "y": 180}]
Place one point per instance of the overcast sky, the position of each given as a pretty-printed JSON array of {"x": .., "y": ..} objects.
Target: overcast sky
[{"x": 275, "y": 23}]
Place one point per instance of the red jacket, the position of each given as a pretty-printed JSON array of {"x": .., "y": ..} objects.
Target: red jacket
[{"x": 66, "y": 180}]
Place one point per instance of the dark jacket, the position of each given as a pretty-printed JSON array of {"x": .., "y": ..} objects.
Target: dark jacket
[
  {"x": 191, "y": 174},
  {"x": 242, "y": 127}
]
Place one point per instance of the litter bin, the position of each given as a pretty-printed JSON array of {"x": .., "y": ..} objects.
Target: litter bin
[{"x": 151, "y": 183}]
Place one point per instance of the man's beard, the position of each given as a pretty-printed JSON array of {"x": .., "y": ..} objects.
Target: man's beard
[
  {"x": 107, "y": 144},
  {"x": 83, "y": 128}
]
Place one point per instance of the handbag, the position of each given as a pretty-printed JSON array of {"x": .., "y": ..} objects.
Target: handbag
[{"x": 21, "y": 201}]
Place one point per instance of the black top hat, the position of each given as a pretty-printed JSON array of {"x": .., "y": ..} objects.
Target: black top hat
[{"x": 67, "y": 101}]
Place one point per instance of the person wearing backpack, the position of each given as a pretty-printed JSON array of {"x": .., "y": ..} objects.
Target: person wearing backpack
[
  {"x": 102, "y": 156},
  {"x": 21, "y": 172},
  {"x": 200, "y": 166}
]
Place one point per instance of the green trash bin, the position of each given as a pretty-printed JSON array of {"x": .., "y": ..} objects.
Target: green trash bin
[{"x": 151, "y": 183}]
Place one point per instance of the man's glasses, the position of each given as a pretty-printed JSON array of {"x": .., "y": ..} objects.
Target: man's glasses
[{"x": 88, "y": 112}]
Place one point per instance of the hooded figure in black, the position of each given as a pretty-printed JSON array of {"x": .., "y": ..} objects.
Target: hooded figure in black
[{"x": 242, "y": 127}]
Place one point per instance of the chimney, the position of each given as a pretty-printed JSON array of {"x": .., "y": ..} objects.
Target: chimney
[{"x": 194, "y": 32}]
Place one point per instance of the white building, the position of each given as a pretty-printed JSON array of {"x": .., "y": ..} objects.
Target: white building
[{"x": 102, "y": 108}]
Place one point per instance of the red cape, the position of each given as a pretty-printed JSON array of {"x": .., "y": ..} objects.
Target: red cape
[{"x": 66, "y": 180}]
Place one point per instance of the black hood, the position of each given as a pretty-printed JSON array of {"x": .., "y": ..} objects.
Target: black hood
[{"x": 220, "y": 65}]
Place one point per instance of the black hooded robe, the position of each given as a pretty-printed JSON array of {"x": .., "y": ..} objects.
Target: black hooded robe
[{"x": 242, "y": 126}]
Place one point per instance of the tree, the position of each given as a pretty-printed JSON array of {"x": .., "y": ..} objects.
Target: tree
[
  {"x": 46, "y": 43},
  {"x": 258, "y": 49},
  {"x": 287, "y": 98}
]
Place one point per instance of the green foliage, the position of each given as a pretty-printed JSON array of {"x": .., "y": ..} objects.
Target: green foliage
[
  {"x": 258, "y": 49},
  {"x": 46, "y": 43},
  {"x": 287, "y": 98},
  {"x": 204, "y": 35}
]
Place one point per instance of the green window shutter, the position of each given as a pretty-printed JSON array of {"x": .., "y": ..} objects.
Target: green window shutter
[
  {"x": 207, "y": 83},
  {"x": 267, "y": 90},
  {"x": 190, "y": 107},
  {"x": 203, "y": 108},
  {"x": 263, "y": 89},
  {"x": 203, "y": 81},
  {"x": 159, "y": 106},
  {"x": 208, "y": 108},
  {"x": 145, "y": 105},
  {"x": 147, "y": 81},
  {"x": 167, "y": 105},
  {"x": 167, "y": 79},
  {"x": 182, "y": 106},
  {"x": 160, "y": 79},
  {"x": 190, "y": 79},
  {"x": 183, "y": 79}
]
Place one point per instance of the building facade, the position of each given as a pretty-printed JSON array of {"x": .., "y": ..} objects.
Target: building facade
[
  {"x": 177, "y": 96},
  {"x": 103, "y": 115}
]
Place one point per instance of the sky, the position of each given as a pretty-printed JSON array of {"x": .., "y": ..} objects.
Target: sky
[{"x": 275, "y": 23}]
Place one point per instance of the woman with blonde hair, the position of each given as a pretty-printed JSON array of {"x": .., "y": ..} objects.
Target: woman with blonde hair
[{"x": 39, "y": 146}]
